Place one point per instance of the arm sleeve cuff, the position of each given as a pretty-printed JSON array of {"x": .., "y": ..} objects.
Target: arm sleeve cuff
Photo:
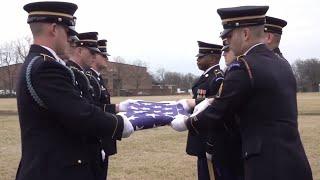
[
  {"x": 191, "y": 126},
  {"x": 110, "y": 108},
  {"x": 119, "y": 129}
]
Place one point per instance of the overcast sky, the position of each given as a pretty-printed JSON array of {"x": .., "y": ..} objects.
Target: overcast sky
[{"x": 164, "y": 33}]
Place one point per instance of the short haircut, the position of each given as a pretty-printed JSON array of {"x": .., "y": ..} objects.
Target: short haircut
[
  {"x": 37, "y": 28},
  {"x": 257, "y": 31}
]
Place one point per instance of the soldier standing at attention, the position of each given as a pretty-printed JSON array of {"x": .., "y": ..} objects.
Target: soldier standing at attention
[
  {"x": 260, "y": 90},
  {"x": 273, "y": 31},
  {"x": 101, "y": 95},
  {"x": 56, "y": 121},
  {"x": 206, "y": 86},
  {"x": 81, "y": 55}
]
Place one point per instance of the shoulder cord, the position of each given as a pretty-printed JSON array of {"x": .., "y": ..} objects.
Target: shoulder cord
[
  {"x": 97, "y": 82},
  {"x": 31, "y": 89},
  {"x": 82, "y": 74},
  {"x": 242, "y": 59}
]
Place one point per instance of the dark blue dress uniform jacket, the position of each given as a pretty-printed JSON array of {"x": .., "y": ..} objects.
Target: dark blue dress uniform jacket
[
  {"x": 56, "y": 122},
  {"x": 207, "y": 86},
  {"x": 101, "y": 98},
  {"x": 260, "y": 89}
]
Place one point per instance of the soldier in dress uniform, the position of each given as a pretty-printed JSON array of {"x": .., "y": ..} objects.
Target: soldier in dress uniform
[
  {"x": 56, "y": 121},
  {"x": 206, "y": 86},
  {"x": 101, "y": 95},
  {"x": 224, "y": 140},
  {"x": 82, "y": 52},
  {"x": 273, "y": 30},
  {"x": 260, "y": 90}
]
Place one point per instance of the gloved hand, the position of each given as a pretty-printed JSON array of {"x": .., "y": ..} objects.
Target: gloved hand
[
  {"x": 178, "y": 123},
  {"x": 201, "y": 106},
  {"x": 127, "y": 126},
  {"x": 209, "y": 156},
  {"x": 187, "y": 104},
  {"x": 123, "y": 106}
]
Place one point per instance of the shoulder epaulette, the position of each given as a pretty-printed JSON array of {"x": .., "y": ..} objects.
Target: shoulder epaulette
[
  {"x": 47, "y": 57},
  {"x": 219, "y": 74},
  {"x": 89, "y": 73},
  {"x": 234, "y": 65},
  {"x": 244, "y": 61},
  {"x": 82, "y": 74}
]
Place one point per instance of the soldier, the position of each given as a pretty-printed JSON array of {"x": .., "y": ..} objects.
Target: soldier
[
  {"x": 273, "y": 31},
  {"x": 81, "y": 55},
  {"x": 85, "y": 53},
  {"x": 206, "y": 86},
  {"x": 101, "y": 95},
  {"x": 264, "y": 102},
  {"x": 56, "y": 121},
  {"x": 222, "y": 143}
]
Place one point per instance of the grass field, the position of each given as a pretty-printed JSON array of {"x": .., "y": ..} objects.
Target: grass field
[{"x": 156, "y": 153}]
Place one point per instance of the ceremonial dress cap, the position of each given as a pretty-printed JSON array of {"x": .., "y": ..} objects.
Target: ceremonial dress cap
[
  {"x": 241, "y": 16},
  {"x": 88, "y": 40},
  {"x": 274, "y": 25},
  {"x": 53, "y": 12},
  {"x": 206, "y": 49},
  {"x": 102, "y": 46}
]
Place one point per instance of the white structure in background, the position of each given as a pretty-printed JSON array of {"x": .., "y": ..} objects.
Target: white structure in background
[{"x": 179, "y": 91}]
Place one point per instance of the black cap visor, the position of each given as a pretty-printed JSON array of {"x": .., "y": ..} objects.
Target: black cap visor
[{"x": 224, "y": 33}]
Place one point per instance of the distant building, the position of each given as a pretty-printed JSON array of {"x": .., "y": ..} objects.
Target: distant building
[
  {"x": 125, "y": 79},
  {"x": 121, "y": 79},
  {"x": 8, "y": 78}
]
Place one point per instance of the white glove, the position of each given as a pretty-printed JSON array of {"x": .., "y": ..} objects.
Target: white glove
[
  {"x": 123, "y": 106},
  {"x": 209, "y": 156},
  {"x": 127, "y": 126},
  {"x": 201, "y": 106},
  {"x": 187, "y": 104},
  {"x": 178, "y": 123},
  {"x": 103, "y": 155}
]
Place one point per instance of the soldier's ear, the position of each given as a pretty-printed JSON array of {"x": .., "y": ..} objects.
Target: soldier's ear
[
  {"x": 246, "y": 33},
  {"x": 53, "y": 29},
  {"x": 268, "y": 37}
]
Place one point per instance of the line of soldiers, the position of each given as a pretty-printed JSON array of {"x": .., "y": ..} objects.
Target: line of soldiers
[
  {"x": 247, "y": 131},
  {"x": 244, "y": 121},
  {"x": 69, "y": 127}
]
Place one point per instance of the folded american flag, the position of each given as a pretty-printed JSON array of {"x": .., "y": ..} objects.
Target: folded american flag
[{"x": 146, "y": 114}]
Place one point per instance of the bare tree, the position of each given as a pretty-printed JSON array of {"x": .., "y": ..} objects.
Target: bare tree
[
  {"x": 160, "y": 75},
  {"x": 7, "y": 65},
  {"x": 21, "y": 48},
  {"x": 188, "y": 81},
  {"x": 307, "y": 73},
  {"x": 12, "y": 54},
  {"x": 182, "y": 81}
]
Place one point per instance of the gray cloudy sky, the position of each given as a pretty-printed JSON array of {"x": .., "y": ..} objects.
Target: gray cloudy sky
[{"x": 164, "y": 33}]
